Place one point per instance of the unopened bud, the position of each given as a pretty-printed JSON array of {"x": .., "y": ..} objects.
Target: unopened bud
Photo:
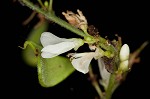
[
  {"x": 124, "y": 66},
  {"x": 124, "y": 53},
  {"x": 46, "y": 4}
]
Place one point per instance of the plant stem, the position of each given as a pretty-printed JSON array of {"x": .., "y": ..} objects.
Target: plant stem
[
  {"x": 50, "y": 8},
  {"x": 112, "y": 83},
  {"x": 136, "y": 53},
  {"x": 53, "y": 17},
  {"x": 40, "y": 2},
  {"x": 29, "y": 18},
  {"x": 95, "y": 83},
  {"x": 103, "y": 44}
]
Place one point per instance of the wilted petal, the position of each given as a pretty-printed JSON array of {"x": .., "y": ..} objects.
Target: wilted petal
[
  {"x": 48, "y": 38},
  {"x": 82, "y": 61},
  {"x": 104, "y": 73}
]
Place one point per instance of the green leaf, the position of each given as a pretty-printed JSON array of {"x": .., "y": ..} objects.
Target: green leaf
[
  {"x": 29, "y": 57},
  {"x": 52, "y": 71},
  {"x": 34, "y": 36}
]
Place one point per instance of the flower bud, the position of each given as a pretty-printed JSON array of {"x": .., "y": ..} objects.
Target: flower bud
[
  {"x": 124, "y": 58},
  {"x": 124, "y": 66},
  {"x": 46, "y": 4},
  {"x": 124, "y": 53}
]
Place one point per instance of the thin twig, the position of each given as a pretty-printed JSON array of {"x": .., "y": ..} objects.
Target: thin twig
[
  {"x": 50, "y": 8},
  {"x": 95, "y": 83},
  {"x": 29, "y": 18},
  {"x": 135, "y": 54},
  {"x": 53, "y": 17}
]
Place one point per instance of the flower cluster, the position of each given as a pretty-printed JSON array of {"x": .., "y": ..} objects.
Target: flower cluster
[{"x": 54, "y": 46}]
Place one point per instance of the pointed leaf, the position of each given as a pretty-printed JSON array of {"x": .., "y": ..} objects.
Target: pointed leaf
[{"x": 52, "y": 71}]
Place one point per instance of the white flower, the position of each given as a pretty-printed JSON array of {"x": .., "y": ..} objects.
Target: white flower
[
  {"x": 81, "y": 61},
  {"x": 105, "y": 75},
  {"x": 54, "y": 46}
]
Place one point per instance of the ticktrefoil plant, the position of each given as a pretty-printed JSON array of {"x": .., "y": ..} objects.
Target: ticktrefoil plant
[{"x": 113, "y": 57}]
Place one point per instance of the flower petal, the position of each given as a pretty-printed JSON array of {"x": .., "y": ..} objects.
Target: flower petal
[
  {"x": 82, "y": 63},
  {"x": 48, "y": 38},
  {"x": 104, "y": 73},
  {"x": 48, "y": 55},
  {"x": 59, "y": 48}
]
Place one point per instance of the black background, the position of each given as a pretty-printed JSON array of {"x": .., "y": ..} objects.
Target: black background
[{"x": 128, "y": 19}]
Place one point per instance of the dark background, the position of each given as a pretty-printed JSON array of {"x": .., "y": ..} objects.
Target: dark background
[{"x": 130, "y": 20}]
